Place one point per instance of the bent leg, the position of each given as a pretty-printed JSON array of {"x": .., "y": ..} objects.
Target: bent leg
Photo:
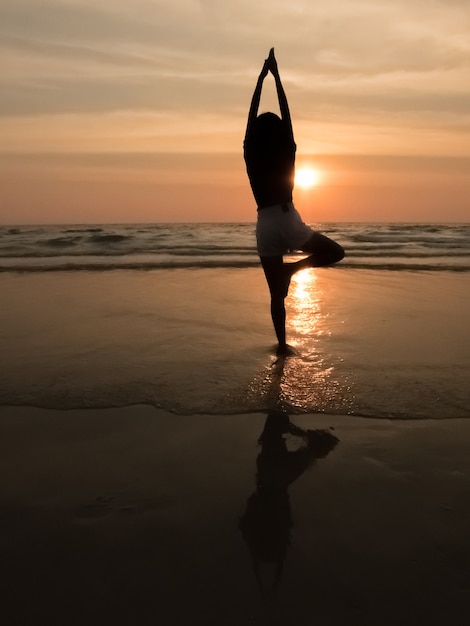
[{"x": 322, "y": 250}]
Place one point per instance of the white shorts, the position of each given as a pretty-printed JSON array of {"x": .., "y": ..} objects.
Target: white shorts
[{"x": 279, "y": 231}]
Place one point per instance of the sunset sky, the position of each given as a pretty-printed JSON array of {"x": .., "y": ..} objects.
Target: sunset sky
[{"x": 135, "y": 110}]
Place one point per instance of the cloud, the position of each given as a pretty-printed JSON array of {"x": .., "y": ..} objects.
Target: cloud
[{"x": 359, "y": 63}]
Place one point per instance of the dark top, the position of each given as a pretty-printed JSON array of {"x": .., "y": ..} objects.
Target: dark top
[{"x": 271, "y": 170}]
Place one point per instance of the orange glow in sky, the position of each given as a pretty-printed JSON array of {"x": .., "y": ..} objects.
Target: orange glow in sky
[{"x": 128, "y": 112}]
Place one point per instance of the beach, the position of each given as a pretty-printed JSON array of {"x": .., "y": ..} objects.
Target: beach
[
  {"x": 159, "y": 463},
  {"x": 132, "y": 515},
  {"x": 191, "y": 341}
]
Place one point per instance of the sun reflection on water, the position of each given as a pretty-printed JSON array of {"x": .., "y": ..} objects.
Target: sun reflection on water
[
  {"x": 312, "y": 380},
  {"x": 304, "y": 303},
  {"x": 308, "y": 380}
]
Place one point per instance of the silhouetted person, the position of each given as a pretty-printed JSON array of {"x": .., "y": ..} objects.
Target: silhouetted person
[
  {"x": 267, "y": 522},
  {"x": 269, "y": 151}
]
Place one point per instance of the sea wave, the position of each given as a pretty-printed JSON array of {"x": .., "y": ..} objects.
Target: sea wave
[
  {"x": 214, "y": 263},
  {"x": 431, "y": 247},
  {"x": 129, "y": 265}
]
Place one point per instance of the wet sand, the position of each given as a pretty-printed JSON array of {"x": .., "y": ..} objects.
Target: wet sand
[{"x": 133, "y": 516}]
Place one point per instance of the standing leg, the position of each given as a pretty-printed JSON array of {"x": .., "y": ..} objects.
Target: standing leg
[{"x": 278, "y": 281}]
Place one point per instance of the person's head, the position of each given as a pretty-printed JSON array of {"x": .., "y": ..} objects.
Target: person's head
[{"x": 268, "y": 131}]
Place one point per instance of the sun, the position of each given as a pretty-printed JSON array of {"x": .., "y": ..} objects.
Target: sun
[{"x": 307, "y": 177}]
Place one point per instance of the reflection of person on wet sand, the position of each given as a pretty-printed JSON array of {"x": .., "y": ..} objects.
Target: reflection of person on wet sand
[
  {"x": 266, "y": 524},
  {"x": 269, "y": 151}
]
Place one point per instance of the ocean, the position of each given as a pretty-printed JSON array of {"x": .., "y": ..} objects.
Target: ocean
[
  {"x": 430, "y": 247},
  {"x": 177, "y": 316}
]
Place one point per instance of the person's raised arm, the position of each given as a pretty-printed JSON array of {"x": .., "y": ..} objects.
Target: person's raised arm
[
  {"x": 256, "y": 98},
  {"x": 281, "y": 94}
]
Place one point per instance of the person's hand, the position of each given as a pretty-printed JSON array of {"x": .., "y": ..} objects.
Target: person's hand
[
  {"x": 267, "y": 64},
  {"x": 272, "y": 63},
  {"x": 265, "y": 69}
]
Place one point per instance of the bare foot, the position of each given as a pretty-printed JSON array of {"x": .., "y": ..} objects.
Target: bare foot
[{"x": 285, "y": 350}]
